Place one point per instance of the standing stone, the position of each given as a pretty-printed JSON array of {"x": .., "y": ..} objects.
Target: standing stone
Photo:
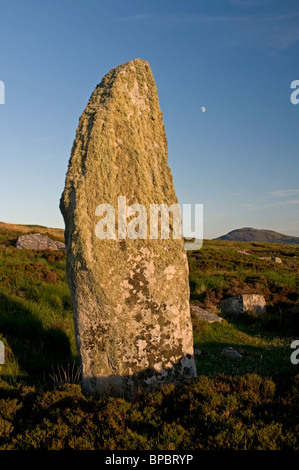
[{"x": 130, "y": 296}]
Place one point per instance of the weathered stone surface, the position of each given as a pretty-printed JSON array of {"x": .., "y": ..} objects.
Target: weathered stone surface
[
  {"x": 235, "y": 306},
  {"x": 131, "y": 297},
  {"x": 229, "y": 351},
  {"x": 204, "y": 315},
  {"x": 275, "y": 259},
  {"x": 2, "y": 353},
  {"x": 36, "y": 241}
]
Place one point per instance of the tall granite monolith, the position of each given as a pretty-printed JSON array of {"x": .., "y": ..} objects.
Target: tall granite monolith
[{"x": 130, "y": 296}]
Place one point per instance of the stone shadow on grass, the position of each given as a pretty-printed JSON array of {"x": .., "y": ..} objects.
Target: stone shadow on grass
[
  {"x": 36, "y": 348},
  {"x": 146, "y": 380}
]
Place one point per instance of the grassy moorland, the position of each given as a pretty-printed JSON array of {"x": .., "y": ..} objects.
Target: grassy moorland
[
  {"x": 220, "y": 269},
  {"x": 235, "y": 403}
]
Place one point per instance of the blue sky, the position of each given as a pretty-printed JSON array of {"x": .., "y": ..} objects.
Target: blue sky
[{"x": 235, "y": 57}]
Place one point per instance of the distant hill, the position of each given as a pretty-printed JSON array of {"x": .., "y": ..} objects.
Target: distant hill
[{"x": 248, "y": 234}]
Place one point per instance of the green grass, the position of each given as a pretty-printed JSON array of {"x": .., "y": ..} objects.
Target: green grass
[
  {"x": 236, "y": 403},
  {"x": 218, "y": 270},
  {"x": 267, "y": 354},
  {"x": 36, "y": 316},
  {"x": 36, "y": 320}
]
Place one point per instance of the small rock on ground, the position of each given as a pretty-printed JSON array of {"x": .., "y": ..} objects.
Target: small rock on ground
[
  {"x": 229, "y": 351},
  {"x": 204, "y": 315},
  {"x": 36, "y": 241}
]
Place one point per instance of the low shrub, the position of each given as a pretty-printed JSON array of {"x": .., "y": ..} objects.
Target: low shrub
[{"x": 239, "y": 413}]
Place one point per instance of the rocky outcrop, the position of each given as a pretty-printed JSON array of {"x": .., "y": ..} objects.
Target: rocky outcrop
[
  {"x": 235, "y": 306},
  {"x": 36, "y": 241},
  {"x": 272, "y": 258},
  {"x": 130, "y": 296},
  {"x": 231, "y": 352},
  {"x": 2, "y": 353}
]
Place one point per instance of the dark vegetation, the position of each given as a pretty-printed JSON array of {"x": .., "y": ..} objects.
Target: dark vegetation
[
  {"x": 247, "y": 412},
  {"x": 234, "y": 403}
]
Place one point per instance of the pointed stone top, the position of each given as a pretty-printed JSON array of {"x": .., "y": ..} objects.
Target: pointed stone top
[
  {"x": 136, "y": 62},
  {"x": 139, "y": 68},
  {"x": 121, "y": 134}
]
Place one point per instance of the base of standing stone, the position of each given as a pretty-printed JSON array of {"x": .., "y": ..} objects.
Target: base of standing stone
[{"x": 148, "y": 380}]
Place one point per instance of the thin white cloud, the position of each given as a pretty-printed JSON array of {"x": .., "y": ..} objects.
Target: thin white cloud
[
  {"x": 285, "y": 203},
  {"x": 294, "y": 226},
  {"x": 267, "y": 32},
  {"x": 281, "y": 31},
  {"x": 46, "y": 139},
  {"x": 252, "y": 207},
  {"x": 181, "y": 20},
  {"x": 285, "y": 192},
  {"x": 136, "y": 17},
  {"x": 281, "y": 203},
  {"x": 250, "y": 3}
]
